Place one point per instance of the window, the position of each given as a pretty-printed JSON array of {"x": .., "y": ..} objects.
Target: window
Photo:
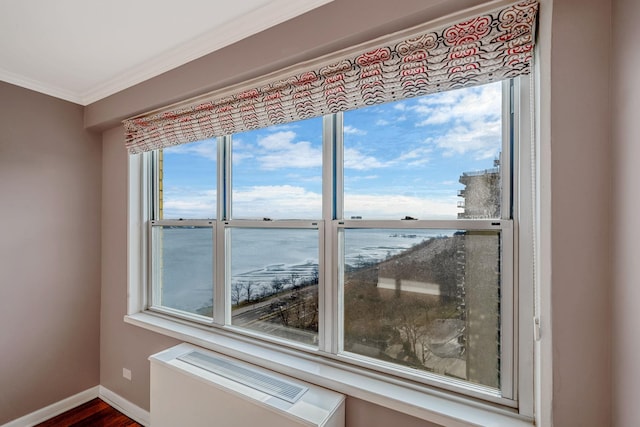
[{"x": 382, "y": 238}]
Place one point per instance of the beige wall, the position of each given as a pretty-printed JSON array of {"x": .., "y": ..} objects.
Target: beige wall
[
  {"x": 575, "y": 188},
  {"x": 121, "y": 345},
  {"x": 49, "y": 252},
  {"x": 127, "y": 346},
  {"x": 337, "y": 25},
  {"x": 626, "y": 219},
  {"x": 51, "y": 243},
  {"x": 580, "y": 171}
]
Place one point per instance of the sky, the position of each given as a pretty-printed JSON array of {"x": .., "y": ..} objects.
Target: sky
[{"x": 400, "y": 159}]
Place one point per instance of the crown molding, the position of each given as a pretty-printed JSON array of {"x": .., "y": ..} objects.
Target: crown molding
[
  {"x": 41, "y": 87},
  {"x": 260, "y": 19}
]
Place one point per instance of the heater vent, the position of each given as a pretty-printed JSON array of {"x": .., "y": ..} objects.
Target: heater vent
[{"x": 255, "y": 379}]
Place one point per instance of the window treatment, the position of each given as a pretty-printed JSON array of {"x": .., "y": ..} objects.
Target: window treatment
[{"x": 490, "y": 47}]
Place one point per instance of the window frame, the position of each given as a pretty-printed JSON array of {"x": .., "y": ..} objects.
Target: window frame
[{"x": 519, "y": 330}]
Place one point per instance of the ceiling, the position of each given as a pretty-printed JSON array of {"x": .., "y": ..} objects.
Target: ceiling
[{"x": 85, "y": 50}]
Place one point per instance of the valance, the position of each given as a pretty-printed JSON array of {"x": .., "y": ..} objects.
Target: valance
[{"x": 490, "y": 47}]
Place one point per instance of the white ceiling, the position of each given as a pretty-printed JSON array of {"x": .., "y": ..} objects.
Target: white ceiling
[{"x": 85, "y": 50}]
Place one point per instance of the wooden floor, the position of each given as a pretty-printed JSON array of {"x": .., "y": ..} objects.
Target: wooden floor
[{"x": 94, "y": 413}]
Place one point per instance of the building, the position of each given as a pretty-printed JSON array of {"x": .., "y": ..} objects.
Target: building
[
  {"x": 481, "y": 195},
  {"x": 63, "y": 199}
]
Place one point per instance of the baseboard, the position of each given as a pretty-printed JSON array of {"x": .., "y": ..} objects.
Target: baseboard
[
  {"x": 54, "y": 409},
  {"x": 131, "y": 410},
  {"x": 118, "y": 402}
]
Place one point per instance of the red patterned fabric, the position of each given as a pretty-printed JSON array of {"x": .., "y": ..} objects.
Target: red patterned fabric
[{"x": 491, "y": 47}]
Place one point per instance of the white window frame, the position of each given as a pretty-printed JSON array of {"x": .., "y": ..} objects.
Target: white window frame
[{"x": 433, "y": 404}]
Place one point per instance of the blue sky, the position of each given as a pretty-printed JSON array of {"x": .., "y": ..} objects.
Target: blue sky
[{"x": 401, "y": 159}]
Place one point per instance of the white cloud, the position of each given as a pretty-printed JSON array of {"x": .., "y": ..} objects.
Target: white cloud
[
  {"x": 397, "y": 207},
  {"x": 482, "y": 138},
  {"x": 239, "y": 156},
  {"x": 464, "y": 105},
  {"x": 278, "y": 150},
  {"x": 471, "y": 118},
  {"x": 292, "y": 202},
  {"x": 416, "y": 157},
  {"x": 276, "y": 202},
  {"x": 354, "y": 159},
  {"x": 189, "y": 203},
  {"x": 207, "y": 149},
  {"x": 352, "y": 130},
  {"x": 382, "y": 122}
]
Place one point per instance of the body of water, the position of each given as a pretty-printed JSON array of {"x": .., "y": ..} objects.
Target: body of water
[{"x": 261, "y": 255}]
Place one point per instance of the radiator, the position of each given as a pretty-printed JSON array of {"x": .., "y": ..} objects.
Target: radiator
[{"x": 194, "y": 387}]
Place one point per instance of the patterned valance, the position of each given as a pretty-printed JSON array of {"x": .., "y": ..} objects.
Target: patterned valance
[{"x": 490, "y": 47}]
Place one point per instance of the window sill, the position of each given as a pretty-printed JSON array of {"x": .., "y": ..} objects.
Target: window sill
[{"x": 430, "y": 405}]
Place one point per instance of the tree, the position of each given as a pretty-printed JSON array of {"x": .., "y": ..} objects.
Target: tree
[
  {"x": 277, "y": 285},
  {"x": 236, "y": 292},
  {"x": 250, "y": 288}
]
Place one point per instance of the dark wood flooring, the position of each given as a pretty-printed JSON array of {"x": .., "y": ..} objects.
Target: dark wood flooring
[{"x": 94, "y": 413}]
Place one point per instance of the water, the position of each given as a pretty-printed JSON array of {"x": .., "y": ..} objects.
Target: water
[{"x": 262, "y": 255}]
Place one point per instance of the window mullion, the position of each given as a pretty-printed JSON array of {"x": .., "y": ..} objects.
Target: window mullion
[
  {"x": 524, "y": 250},
  {"x": 224, "y": 178},
  {"x": 331, "y": 202},
  {"x": 222, "y": 311}
]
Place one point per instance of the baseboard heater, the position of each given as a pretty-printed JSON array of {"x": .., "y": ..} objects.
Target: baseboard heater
[{"x": 192, "y": 386}]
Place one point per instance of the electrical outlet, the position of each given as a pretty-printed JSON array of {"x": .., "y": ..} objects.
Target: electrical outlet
[{"x": 126, "y": 373}]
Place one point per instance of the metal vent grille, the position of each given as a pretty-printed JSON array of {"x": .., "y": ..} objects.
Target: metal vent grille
[{"x": 276, "y": 387}]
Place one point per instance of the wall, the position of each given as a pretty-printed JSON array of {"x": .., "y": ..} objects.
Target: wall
[
  {"x": 337, "y": 25},
  {"x": 625, "y": 219},
  {"x": 575, "y": 186},
  {"x": 122, "y": 346},
  {"x": 580, "y": 170},
  {"x": 49, "y": 252},
  {"x": 127, "y": 346}
]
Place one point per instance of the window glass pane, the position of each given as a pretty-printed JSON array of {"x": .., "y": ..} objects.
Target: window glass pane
[
  {"x": 431, "y": 157},
  {"x": 186, "y": 182},
  {"x": 425, "y": 299},
  {"x": 274, "y": 282},
  {"x": 182, "y": 268},
  {"x": 277, "y": 172}
]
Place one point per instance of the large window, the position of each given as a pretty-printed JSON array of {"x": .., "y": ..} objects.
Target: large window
[{"x": 383, "y": 237}]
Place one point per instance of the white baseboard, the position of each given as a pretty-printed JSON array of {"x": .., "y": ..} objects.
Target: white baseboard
[
  {"x": 118, "y": 402},
  {"x": 54, "y": 409},
  {"x": 131, "y": 410}
]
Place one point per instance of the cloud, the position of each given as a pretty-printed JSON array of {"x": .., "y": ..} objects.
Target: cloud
[
  {"x": 292, "y": 202},
  {"x": 398, "y": 206},
  {"x": 241, "y": 156},
  {"x": 276, "y": 202},
  {"x": 470, "y": 120},
  {"x": 189, "y": 203},
  {"x": 352, "y": 130},
  {"x": 481, "y": 138},
  {"x": 416, "y": 157},
  {"x": 279, "y": 150},
  {"x": 207, "y": 148},
  {"x": 354, "y": 159},
  {"x": 472, "y": 104}
]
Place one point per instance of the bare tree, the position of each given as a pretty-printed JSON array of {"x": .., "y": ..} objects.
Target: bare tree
[
  {"x": 277, "y": 285},
  {"x": 236, "y": 292},
  {"x": 250, "y": 288},
  {"x": 283, "y": 313}
]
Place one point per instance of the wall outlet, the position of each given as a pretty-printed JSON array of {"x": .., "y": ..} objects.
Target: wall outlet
[{"x": 126, "y": 373}]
